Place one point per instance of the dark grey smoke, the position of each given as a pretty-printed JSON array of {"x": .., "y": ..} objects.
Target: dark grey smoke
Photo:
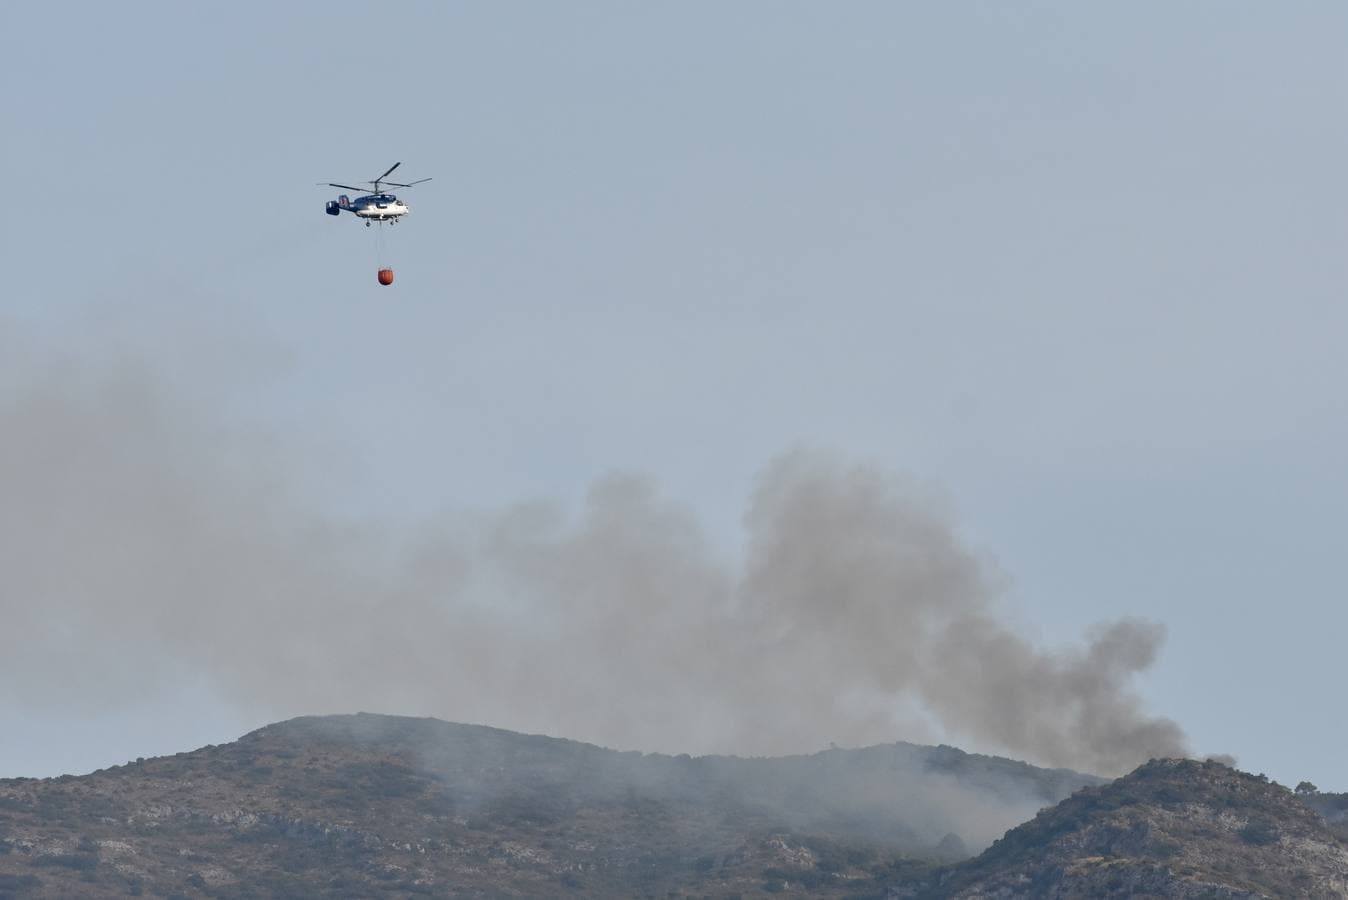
[{"x": 138, "y": 543}]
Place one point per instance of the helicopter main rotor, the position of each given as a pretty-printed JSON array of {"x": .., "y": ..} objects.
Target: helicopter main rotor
[{"x": 378, "y": 181}]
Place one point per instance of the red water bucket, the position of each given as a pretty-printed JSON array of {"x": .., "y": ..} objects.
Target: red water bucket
[{"x": 386, "y": 276}]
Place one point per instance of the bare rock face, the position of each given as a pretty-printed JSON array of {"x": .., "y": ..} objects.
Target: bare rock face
[{"x": 1172, "y": 828}]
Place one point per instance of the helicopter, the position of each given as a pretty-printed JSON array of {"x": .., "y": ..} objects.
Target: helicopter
[{"x": 374, "y": 206}]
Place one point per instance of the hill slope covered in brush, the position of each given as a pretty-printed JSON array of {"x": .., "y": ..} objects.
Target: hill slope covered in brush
[
  {"x": 366, "y": 805},
  {"x": 369, "y": 806},
  {"x": 1172, "y": 828}
]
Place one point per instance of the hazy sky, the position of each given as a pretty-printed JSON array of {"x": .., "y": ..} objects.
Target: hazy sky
[{"x": 1078, "y": 270}]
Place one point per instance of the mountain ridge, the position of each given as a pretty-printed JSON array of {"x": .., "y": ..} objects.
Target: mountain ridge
[
  {"x": 368, "y": 805},
  {"x": 1170, "y": 828},
  {"x": 342, "y": 805}
]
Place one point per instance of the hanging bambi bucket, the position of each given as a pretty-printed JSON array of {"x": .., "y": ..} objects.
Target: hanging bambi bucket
[{"x": 386, "y": 276}]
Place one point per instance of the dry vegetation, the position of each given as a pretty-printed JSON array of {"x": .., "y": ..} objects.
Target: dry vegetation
[
  {"x": 372, "y": 805},
  {"x": 1172, "y": 828},
  {"x": 366, "y": 806}
]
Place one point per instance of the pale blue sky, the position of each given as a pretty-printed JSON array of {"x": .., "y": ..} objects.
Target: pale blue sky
[{"x": 1082, "y": 269}]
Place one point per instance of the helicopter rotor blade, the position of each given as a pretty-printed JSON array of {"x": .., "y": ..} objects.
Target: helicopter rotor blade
[
  {"x": 395, "y": 184},
  {"x": 385, "y": 175},
  {"x": 347, "y": 187}
]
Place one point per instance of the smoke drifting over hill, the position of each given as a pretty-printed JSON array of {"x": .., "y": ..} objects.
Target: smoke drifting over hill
[{"x": 135, "y": 547}]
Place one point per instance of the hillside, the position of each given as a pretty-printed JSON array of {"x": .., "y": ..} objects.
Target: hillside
[
  {"x": 1334, "y": 808},
  {"x": 1172, "y": 828},
  {"x": 370, "y": 806},
  {"x": 374, "y": 805}
]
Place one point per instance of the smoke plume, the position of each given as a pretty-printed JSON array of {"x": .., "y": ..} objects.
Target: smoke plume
[{"x": 137, "y": 547}]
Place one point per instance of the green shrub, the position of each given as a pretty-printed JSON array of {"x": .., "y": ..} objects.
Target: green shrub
[
  {"x": 17, "y": 883},
  {"x": 77, "y": 861},
  {"x": 1260, "y": 832}
]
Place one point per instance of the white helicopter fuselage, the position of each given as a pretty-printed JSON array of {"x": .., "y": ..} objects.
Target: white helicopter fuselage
[
  {"x": 379, "y": 207},
  {"x": 371, "y": 207}
]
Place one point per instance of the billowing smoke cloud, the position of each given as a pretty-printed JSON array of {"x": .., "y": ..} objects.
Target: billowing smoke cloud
[{"x": 136, "y": 545}]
